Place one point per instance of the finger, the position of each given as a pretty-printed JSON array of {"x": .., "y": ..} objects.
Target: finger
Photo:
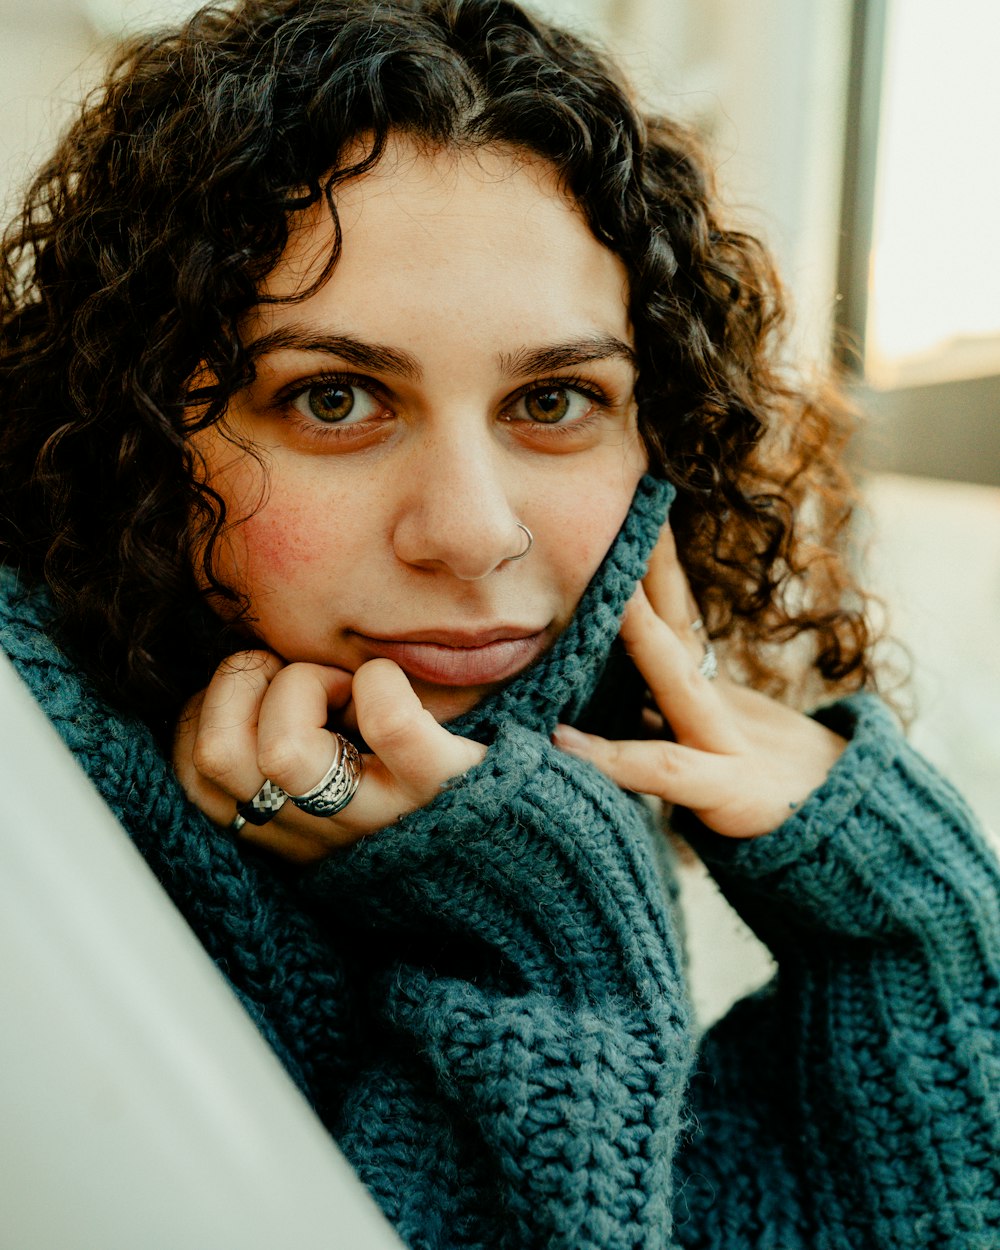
[
  {"x": 652, "y": 723},
  {"x": 216, "y": 745},
  {"x": 691, "y": 703},
  {"x": 294, "y": 747},
  {"x": 677, "y": 774},
  {"x": 295, "y": 750},
  {"x": 667, "y": 587},
  {"x": 419, "y": 754},
  {"x": 412, "y": 755},
  {"x": 212, "y": 799}
]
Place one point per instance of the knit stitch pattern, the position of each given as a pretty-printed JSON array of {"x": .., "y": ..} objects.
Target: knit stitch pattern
[{"x": 485, "y": 1002}]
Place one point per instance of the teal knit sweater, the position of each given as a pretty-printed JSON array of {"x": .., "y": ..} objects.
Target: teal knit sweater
[{"x": 485, "y": 1002}]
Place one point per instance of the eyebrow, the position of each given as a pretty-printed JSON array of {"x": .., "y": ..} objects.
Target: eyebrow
[
  {"x": 382, "y": 359},
  {"x": 372, "y": 356},
  {"x": 565, "y": 355}
]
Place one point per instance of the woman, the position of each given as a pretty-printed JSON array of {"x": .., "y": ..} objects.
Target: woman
[{"x": 353, "y": 356}]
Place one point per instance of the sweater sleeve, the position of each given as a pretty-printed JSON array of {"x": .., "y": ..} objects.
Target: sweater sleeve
[
  {"x": 854, "y": 1102},
  {"x": 525, "y": 971}
]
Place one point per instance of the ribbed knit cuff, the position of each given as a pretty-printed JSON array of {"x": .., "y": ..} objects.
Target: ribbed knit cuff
[
  {"x": 532, "y": 853},
  {"x": 884, "y": 849}
]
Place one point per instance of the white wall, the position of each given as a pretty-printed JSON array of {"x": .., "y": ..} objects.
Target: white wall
[
  {"x": 44, "y": 50},
  {"x": 766, "y": 81}
]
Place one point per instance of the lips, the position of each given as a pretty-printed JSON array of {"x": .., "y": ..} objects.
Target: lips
[{"x": 460, "y": 659}]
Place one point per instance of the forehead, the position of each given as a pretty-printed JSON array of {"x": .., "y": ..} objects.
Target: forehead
[{"x": 440, "y": 232}]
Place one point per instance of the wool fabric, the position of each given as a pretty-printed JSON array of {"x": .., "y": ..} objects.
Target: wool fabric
[{"x": 486, "y": 1001}]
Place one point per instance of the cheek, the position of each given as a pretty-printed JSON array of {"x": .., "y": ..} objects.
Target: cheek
[
  {"x": 281, "y": 540},
  {"x": 578, "y": 536},
  {"x": 272, "y": 545},
  {"x": 582, "y": 554}
]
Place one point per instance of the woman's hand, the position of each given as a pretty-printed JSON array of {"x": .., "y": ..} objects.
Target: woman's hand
[
  {"x": 260, "y": 718},
  {"x": 741, "y": 762}
]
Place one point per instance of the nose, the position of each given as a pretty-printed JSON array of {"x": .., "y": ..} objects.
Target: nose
[{"x": 456, "y": 512}]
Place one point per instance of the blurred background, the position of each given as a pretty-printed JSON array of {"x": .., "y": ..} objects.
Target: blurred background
[{"x": 857, "y": 138}]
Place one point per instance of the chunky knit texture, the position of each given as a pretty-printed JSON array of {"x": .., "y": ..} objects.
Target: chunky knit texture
[{"x": 485, "y": 1002}]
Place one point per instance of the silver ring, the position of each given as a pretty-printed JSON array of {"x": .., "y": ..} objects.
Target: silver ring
[
  {"x": 531, "y": 542},
  {"x": 335, "y": 789},
  {"x": 709, "y": 664},
  {"x": 264, "y": 806}
]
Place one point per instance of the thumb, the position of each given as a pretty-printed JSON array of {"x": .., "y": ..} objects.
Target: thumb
[{"x": 419, "y": 754}]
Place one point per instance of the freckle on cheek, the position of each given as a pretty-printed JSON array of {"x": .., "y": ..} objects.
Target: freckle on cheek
[{"x": 280, "y": 542}]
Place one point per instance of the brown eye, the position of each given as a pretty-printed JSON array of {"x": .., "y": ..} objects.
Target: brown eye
[
  {"x": 336, "y": 403},
  {"x": 548, "y": 407},
  {"x": 330, "y": 403},
  {"x": 561, "y": 406}
]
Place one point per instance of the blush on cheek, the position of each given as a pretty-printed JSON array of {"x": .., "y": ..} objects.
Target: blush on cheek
[{"x": 276, "y": 542}]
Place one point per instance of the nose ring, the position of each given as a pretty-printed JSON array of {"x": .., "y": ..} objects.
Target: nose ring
[{"x": 530, "y": 543}]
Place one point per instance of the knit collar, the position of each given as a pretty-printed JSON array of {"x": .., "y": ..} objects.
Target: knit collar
[{"x": 560, "y": 684}]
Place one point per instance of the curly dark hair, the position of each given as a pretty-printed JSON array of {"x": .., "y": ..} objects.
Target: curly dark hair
[{"x": 147, "y": 237}]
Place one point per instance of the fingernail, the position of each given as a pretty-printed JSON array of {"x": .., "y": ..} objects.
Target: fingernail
[{"x": 569, "y": 739}]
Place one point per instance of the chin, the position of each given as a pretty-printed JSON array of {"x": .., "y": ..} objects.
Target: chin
[{"x": 447, "y": 704}]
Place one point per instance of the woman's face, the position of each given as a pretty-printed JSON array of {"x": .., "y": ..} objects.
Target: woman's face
[{"x": 467, "y": 367}]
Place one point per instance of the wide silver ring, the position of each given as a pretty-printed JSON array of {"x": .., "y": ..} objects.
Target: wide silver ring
[
  {"x": 338, "y": 785},
  {"x": 264, "y": 806}
]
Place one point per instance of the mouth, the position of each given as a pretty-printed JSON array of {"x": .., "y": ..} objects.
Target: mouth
[{"x": 444, "y": 658}]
